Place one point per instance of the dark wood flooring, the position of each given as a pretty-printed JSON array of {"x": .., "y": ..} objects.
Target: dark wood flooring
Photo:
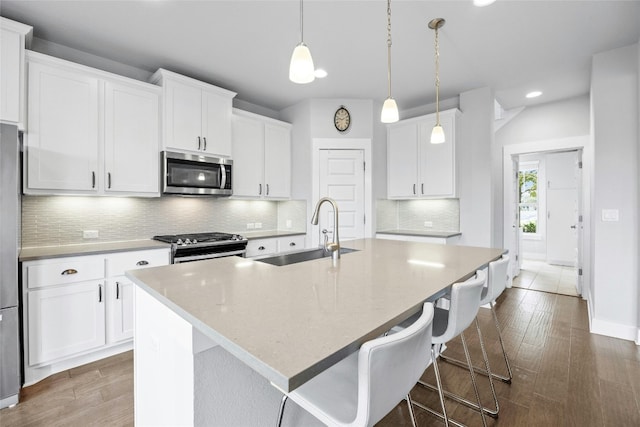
[{"x": 563, "y": 376}]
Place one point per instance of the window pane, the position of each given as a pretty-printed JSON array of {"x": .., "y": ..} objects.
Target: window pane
[
  {"x": 528, "y": 180},
  {"x": 529, "y": 218}
]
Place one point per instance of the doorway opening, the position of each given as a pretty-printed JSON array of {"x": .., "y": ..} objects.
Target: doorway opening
[{"x": 546, "y": 211}]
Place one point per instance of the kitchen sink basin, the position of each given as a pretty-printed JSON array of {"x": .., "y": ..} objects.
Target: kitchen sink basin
[{"x": 301, "y": 256}]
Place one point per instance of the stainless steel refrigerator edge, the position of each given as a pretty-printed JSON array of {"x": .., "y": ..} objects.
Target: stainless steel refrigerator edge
[{"x": 9, "y": 229}]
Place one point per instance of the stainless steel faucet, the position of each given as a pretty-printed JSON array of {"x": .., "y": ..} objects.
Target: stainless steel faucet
[{"x": 333, "y": 247}]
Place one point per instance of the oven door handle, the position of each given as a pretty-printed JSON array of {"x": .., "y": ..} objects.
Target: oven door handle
[{"x": 179, "y": 259}]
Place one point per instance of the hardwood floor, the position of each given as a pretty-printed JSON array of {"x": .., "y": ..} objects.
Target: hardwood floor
[{"x": 563, "y": 376}]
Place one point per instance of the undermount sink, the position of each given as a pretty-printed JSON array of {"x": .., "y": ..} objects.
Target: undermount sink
[{"x": 301, "y": 256}]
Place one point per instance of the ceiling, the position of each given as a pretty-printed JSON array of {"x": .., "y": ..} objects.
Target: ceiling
[{"x": 513, "y": 46}]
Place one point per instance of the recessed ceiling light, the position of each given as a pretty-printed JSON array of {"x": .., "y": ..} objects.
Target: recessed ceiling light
[
  {"x": 320, "y": 73},
  {"x": 481, "y": 3},
  {"x": 533, "y": 94}
]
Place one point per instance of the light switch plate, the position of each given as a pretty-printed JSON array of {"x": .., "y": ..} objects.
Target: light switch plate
[
  {"x": 428, "y": 224},
  {"x": 610, "y": 215}
]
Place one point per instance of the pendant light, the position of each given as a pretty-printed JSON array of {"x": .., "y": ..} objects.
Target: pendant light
[
  {"x": 301, "y": 69},
  {"x": 389, "y": 112},
  {"x": 437, "y": 134}
]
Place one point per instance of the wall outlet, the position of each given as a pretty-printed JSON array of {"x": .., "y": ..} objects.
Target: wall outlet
[
  {"x": 288, "y": 223},
  {"x": 90, "y": 234},
  {"x": 250, "y": 226},
  {"x": 258, "y": 225},
  {"x": 428, "y": 224}
]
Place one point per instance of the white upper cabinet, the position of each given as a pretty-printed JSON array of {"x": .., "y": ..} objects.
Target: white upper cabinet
[
  {"x": 415, "y": 167},
  {"x": 197, "y": 115},
  {"x": 90, "y": 132},
  {"x": 13, "y": 37},
  {"x": 261, "y": 156},
  {"x": 132, "y": 134}
]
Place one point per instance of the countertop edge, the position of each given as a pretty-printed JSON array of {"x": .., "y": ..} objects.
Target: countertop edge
[
  {"x": 420, "y": 233},
  {"x": 45, "y": 252}
]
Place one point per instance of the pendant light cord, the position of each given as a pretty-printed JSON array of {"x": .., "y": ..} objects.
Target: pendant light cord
[
  {"x": 301, "y": 22},
  {"x": 437, "y": 78},
  {"x": 389, "y": 46}
]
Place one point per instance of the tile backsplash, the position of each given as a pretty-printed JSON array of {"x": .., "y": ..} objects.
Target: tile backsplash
[
  {"x": 61, "y": 220},
  {"x": 444, "y": 214}
]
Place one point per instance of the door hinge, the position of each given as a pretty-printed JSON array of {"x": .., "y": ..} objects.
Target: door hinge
[
  {"x": 364, "y": 166},
  {"x": 580, "y": 218},
  {"x": 516, "y": 257},
  {"x": 579, "y": 165},
  {"x": 579, "y": 272},
  {"x": 364, "y": 219}
]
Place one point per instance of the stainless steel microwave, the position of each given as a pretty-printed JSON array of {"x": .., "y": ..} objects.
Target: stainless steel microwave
[{"x": 195, "y": 174}]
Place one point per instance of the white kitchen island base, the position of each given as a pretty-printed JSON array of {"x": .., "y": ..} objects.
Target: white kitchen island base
[{"x": 200, "y": 383}]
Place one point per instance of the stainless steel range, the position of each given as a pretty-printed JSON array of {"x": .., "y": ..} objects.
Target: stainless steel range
[{"x": 199, "y": 246}]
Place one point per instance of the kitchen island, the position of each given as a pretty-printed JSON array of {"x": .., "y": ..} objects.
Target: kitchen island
[{"x": 216, "y": 339}]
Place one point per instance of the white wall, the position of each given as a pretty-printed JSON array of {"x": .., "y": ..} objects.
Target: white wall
[
  {"x": 614, "y": 93},
  {"x": 638, "y": 324},
  {"x": 474, "y": 141},
  {"x": 553, "y": 121}
]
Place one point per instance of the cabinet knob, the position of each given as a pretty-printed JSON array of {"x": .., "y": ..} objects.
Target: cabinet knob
[
  {"x": 261, "y": 248},
  {"x": 142, "y": 262},
  {"x": 292, "y": 244},
  {"x": 69, "y": 271}
]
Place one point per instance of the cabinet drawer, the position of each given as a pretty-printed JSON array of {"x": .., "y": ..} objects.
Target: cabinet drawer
[
  {"x": 261, "y": 247},
  {"x": 60, "y": 271},
  {"x": 291, "y": 243},
  {"x": 118, "y": 263}
]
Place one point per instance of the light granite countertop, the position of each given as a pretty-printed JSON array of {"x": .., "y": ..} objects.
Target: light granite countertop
[
  {"x": 42, "y": 252},
  {"x": 290, "y": 323},
  {"x": 421, "y": 233}
]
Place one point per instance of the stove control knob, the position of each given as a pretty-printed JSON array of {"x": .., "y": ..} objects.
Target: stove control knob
[
  {"x": 194, "y": 241},
  {"x": 187, "y": 242},
  {"x": 179, "y": 242}
]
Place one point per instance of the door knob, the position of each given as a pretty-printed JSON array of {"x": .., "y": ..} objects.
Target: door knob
[{"x": 573, "y": 226}]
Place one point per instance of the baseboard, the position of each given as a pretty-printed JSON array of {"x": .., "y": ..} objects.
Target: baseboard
[{"x": 614, "y": 330}]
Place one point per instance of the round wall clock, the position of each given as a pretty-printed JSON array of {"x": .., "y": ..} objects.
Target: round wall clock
[{"x": 342, "y": 119}]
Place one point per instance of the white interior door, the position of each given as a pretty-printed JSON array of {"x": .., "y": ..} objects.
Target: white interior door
[
  {"x": 342, "y": 179},
  {"x": 512, "y": 216},
  {"x": 562, "y": 208}
]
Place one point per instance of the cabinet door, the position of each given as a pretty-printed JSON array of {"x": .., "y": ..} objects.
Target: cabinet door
[
  {"x": 119, "y": 309},
  {"x": 65, "y": 320},
  {"x": 62, "y": 140},
  {"x": 131, "y": 139},
  {"x": 437, "y": 161},
  {"x": 10, "y": 55},
  {"x": 248, "y": 157},
  {"x": 402, "y": 162},
  {"x": 277, "y": 161},
  {"x": 216, "y": 124},
  {"x": 183, "y": 116},
  {"x": 258, "y": 247}
]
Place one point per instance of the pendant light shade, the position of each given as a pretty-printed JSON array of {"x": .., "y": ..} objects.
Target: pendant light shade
[
  {"x": 389, "y": 112},
  {"x": 437, "y": 134},
  {"x": 301, "y": 69}
]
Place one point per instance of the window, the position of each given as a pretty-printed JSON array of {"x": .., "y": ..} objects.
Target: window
[{"x": 528, "y": 197}]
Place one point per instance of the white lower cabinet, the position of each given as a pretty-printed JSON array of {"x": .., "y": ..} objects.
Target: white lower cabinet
[
  {"x": 274, "y": 245},
  {"x": 79, "y": 309},
  {"x": 120, "y": 309},
  {"x": 65, "y": 320},
  {"x": 452, "y": 240}
]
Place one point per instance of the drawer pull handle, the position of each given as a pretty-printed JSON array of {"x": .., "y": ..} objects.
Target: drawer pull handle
[
  {"x": 69, "y": 271},
  {"x": 143, "y": 262},
  {"x": 261, "y": 248},
  {"x": 292, "y": 244}
]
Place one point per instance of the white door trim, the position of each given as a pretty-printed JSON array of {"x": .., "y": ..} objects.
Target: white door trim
[
  {"x": 577, "y": 143},
  {"x": 363, "y": 144}
]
